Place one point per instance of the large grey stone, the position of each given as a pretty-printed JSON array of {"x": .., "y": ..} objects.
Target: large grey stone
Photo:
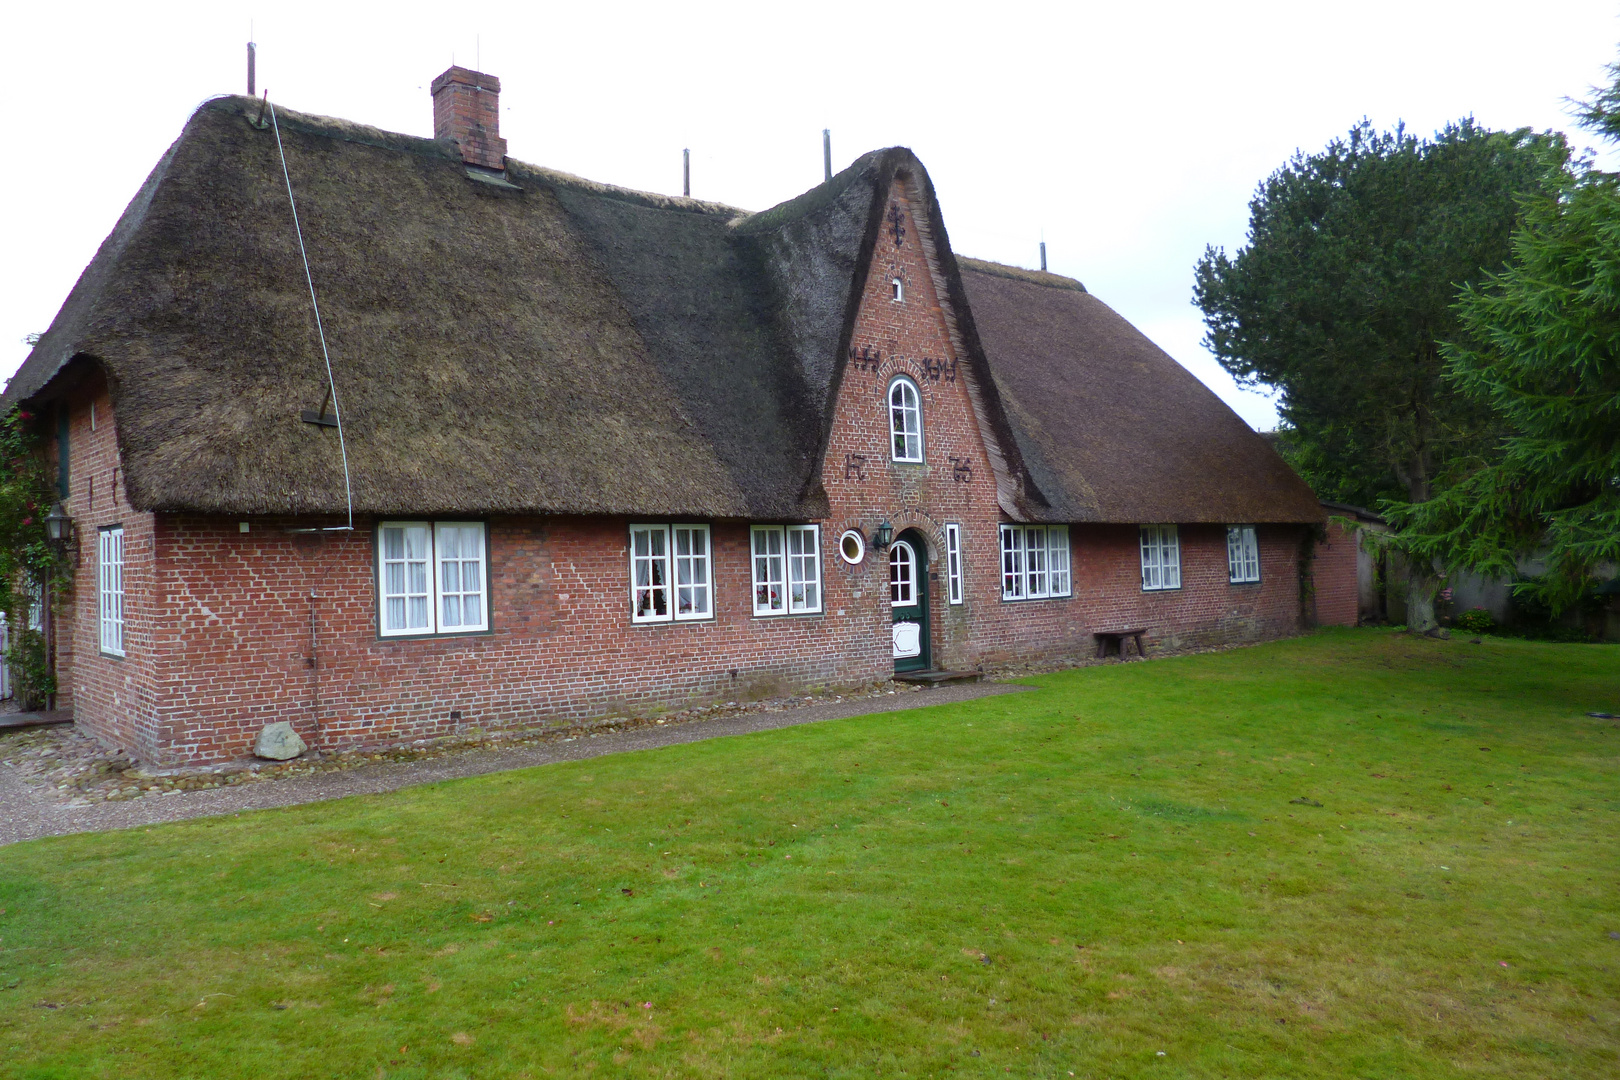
[{"x": 278, "y": 742}]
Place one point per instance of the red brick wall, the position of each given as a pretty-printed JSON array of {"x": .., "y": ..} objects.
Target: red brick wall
[
  {"x": 231, "y": 630},
  {"x": 1333, "y": 574},
  {"x": 110, "y": 697}
]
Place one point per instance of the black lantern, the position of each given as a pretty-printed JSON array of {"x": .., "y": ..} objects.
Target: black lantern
[
  {"x": 58, "y": 526},
  {"x": 883, "y": 536}
]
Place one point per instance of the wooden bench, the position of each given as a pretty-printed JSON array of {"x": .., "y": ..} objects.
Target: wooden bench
[{"x": 1116, "y": 638}]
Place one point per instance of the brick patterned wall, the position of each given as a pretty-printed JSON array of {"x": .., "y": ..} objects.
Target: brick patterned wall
[
  {"x": 110, "y": 697},
  {"x": 1333, "y": 573},
  {"x": 251, "y": 609},
  {"x": 467, "y": 108},
  {"x": 231, "y": 630}
]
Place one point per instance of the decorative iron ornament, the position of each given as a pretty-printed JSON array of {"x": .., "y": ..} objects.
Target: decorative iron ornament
[
  {"x": 962, "y": 470},
  {"x": 897, "y": 224},
  {"x": 933, "y": 369},
  {"x": 855, "y": 464},
  {"x": 867, "y": 359}
]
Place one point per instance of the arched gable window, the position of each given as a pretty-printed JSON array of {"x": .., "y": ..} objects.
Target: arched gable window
[{"x": 905, "y": 421}]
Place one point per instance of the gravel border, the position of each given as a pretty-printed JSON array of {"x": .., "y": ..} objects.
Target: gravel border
[{"x": 29, "y": 811}]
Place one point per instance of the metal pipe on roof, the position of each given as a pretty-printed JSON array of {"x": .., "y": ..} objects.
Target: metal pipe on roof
[
  {"x": 686, "y": 173},
  {"x": 1043, "y": 256},
  {"x": 826, "y": 153},
  {"x": 253, "y": 51}
]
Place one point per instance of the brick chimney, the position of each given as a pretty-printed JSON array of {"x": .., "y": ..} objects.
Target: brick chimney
[{"x": 466, "y": 108}]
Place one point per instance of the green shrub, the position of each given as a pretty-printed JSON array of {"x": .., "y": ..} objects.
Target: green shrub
[{"x": 1475, "y": 621}]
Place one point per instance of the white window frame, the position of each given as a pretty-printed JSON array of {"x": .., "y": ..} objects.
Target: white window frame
[
  {"x": 694, "y": 572},
  {"x": 1242, "y": 555},
  {"x": 911, "y": 433},
  {"x": 684, "y": 576},
  {"x": 785, "y": 562},
  {"x": 1161, "y": 558},
  {"x": 953, "y": 563},
  {"x": 852, "y": 536},
  {"x": 1035, "y": 562},
  {"x": 437, "y": 579},
  {"x": 897, "y": 290},
  {"x": 110, "y": 592},
  {"x": 910, "y": 580}
]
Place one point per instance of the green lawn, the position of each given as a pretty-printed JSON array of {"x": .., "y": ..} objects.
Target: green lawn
[{"x": 1106, "y": 877}]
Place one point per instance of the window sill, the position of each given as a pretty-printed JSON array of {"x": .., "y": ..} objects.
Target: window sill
[
  {"x": 447, "y": 636},
  {"x": 651, "y": 623},
  {"x": 1027, "y": 599}
]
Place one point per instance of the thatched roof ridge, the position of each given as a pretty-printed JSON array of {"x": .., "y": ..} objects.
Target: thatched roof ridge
[{"x": 1019, "y": 273}]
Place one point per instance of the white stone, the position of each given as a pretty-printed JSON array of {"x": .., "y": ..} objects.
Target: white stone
[{"x": 278, "y": 742}]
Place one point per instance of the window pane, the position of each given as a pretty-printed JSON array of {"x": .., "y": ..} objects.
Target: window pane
[
  {"x": 1057, "y": 546},
  {"x": 953, "y": 563},
  {"x": 901, "y": 578},
  {"x": 1012, "y": 562},
  {"x": 649, "y": 573},
  {"x": 691, "y": 571},
  {"x": 770, "y": 573},
  {"x": 405, "y": 585},
  {"x": 804, "y": 568}
]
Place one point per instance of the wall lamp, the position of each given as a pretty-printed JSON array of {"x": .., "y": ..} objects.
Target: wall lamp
[
  {"x": 58, "y": 527},
  {"x": 882, "y": 536}
]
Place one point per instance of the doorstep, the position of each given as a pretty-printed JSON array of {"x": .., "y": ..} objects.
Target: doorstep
[
  {"x": 47, "y": 718},
  {"x": 938, "y": 677}
]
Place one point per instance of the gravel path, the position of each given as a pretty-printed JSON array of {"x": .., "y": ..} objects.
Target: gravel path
[{"x": 29, "y": 811}]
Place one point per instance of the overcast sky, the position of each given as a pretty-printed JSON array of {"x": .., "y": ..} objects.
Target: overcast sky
[{"x": 1129, "y": 135}]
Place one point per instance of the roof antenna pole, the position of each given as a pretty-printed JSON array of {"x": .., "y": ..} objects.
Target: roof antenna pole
[
  {"x": 826, "y": 153},
  {"x": 331, "y": 383},
  {"x": 252, "y": 56},
  {"x": 686, "y": 173},
  {"x": 1043, "y": 256}
]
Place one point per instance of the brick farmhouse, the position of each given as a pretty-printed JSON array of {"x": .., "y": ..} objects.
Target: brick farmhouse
[{"x": 585, "y": 450}]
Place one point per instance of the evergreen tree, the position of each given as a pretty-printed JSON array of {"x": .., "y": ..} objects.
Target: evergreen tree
[{"x": 1540, "y": 346}]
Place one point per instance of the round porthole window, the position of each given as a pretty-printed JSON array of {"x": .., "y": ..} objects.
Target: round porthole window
[{"x": 852, "y": 547}]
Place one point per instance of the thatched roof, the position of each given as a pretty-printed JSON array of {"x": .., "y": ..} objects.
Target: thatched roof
[
  {"x": 1109, "y": 426},
  {"x": 545, "y": 344}
]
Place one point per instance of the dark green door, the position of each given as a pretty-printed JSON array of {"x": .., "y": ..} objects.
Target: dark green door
[{"x": 908, "y": 595}]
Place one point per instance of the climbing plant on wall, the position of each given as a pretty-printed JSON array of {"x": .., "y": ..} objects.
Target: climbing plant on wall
[{"x": 32, "y": 572}]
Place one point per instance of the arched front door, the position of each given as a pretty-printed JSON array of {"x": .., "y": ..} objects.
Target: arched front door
[{"x": 908, "y": 596}]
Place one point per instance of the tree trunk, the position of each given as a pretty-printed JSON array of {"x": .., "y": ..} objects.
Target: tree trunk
[{"x": 1421, "y": 588}]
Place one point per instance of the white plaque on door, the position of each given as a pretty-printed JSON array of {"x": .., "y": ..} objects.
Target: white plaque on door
[{"x": 907, "y": 639}]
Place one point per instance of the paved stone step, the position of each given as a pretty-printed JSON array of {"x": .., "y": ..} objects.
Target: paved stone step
[{"x": 937, "y": 677}]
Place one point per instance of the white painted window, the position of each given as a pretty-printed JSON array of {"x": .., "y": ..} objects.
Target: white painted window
[
  {"x": 902, "y": 575},
  {"x": 1034, "y": 561},
  {"x": 787, "y": 569},
  {"x": 1242, "y": 554},
  {"x": 1012, "y": 563},
  {"x": 905, "y": 421},
  {"x": 694, "y": 589},
  {"x": 671, "y": 573},
  {"x": 431, "y": 578},
  {"x": 1161, "y": 558},
  {"x": 897, "y": 290},
  {"x": 953, "y": 562},
  {"x": 110, "y": 588}
]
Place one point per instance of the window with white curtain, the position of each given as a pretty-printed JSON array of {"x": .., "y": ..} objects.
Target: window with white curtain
[
  {"x": 786, "y": 569},
  {"x": 1034, "y": 562},
  {"x": 431, "y": 578},
  {"x": 953, "y": 563},
  {"x": 671, "y": 573},
  {"x": 905, "y": 421},
  {"x": 1242, "y": 554},
  {"x": 1161, "y": 558},
  {"x": 110, "y": 588}
]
